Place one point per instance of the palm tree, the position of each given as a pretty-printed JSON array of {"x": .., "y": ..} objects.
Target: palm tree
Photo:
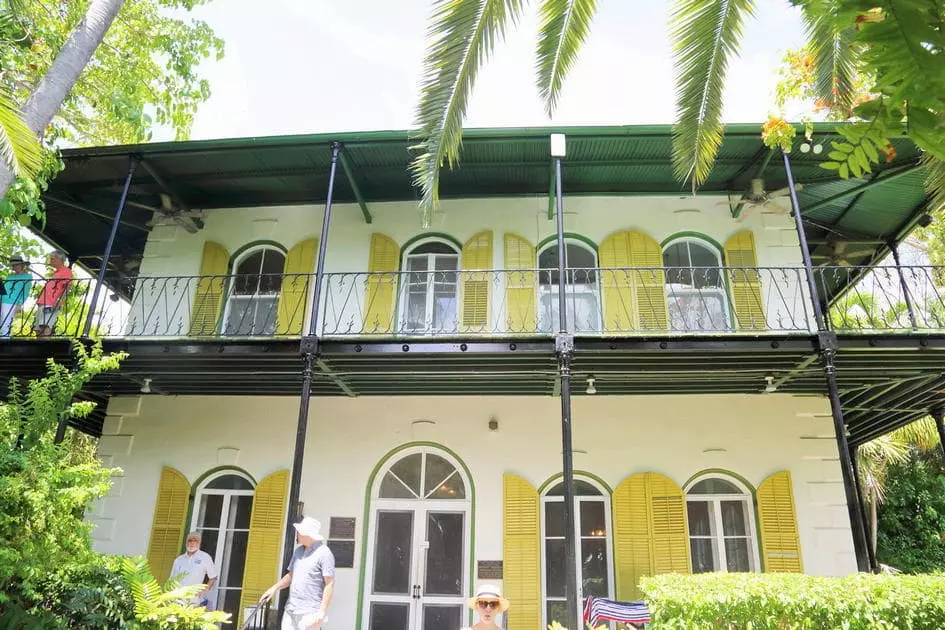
[
  {"x": 55, "y": 85},
  {"x": 19, "y": 149}
]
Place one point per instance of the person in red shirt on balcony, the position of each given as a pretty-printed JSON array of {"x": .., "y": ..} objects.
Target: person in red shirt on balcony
[{"x": 53, "y": 295}]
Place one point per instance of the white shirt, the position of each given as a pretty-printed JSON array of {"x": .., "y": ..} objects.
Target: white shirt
[{"x": 191, "y": 570}]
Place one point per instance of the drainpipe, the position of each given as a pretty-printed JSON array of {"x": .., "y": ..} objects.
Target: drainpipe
[{"x": 905, "y": 287}]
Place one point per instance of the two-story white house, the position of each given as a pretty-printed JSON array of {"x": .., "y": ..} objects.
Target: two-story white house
[{"x": 703, "y": 433}]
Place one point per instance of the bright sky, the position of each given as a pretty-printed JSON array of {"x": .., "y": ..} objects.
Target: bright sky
[{"x": 308, "y": 66}]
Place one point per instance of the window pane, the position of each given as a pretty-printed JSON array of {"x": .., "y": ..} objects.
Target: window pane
[
  {"x": 417, "y": 263},
  {"x": 211, "y": 507},
  {"x": 442, "y": 617},
  {"x": 736, "y": 555},
  {"x": 676, "y": 255},
  {"x": 389, "y": 616},
  {"x": 581, "y": 488},
  {"x": 250, "y": 265},
  {"x": 230, "y": 482},
  {"x": 241, "y": 507},
  {"x": 231, "y": 602},
  {"x": 714, "y": 485},
  {"x": 273, "y": 262},
  {"x": 446, "y": 263},
  {"x": 416, "y": 316},
  {"x": 703, "y": 554},
  {"x": 556, "y": 611},
  {"x": 702, "y": 256},
  {"x": 433, "y": 247},
  {"x": 208, "y": 542},
  {"x": 700, "y": 521},
  {"x": 593, "y": 519},
  {"x": 733, "y": 518},
  {"x": 594, "y": 567},
  {"x": 392, "y": 552},
  {"x": 235, "y": 550},
  {"x": 408, "y": 469},
  {"x": 437, "y": 470},
  {"x": 577, "y": 257},
  {"x": 555, "y": 568},
  {"x": 554, "y": 519},
  {"x": 391, "y": 488},
  {"x": 444, "y": 574},
  {"x": 697, "y": 309}
]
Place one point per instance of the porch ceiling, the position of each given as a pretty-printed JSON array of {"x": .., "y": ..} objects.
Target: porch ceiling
[
  {"x": 885, "y": 381},
  {"x": 244, "y": 172}
]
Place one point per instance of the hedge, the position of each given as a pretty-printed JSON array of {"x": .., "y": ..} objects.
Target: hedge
[{"x": 745, "y": 601}]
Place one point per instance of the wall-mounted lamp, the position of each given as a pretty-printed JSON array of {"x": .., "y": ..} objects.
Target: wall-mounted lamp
[
  {"x": 146, "y": 386},
  {"x": 558, "y": 145},
  {"x": 590, "y": 386},
  {"x": 770, "y": 387}
]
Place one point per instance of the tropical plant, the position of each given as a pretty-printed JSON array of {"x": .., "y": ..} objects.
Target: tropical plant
[
  {"x": 166, "y": 607},
  {"x": 19, "y": 148}
]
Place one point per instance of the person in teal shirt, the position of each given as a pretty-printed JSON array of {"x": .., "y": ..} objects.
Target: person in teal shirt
[{"x": 16, "y": 288}]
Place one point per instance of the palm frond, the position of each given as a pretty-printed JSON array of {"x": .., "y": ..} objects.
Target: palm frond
[
  {"x": 563, "y": 27},
  {"x": 463, "y": 34},
  {"x": 831, "y": 43},
  {"x": 921, "y": 434},
  {"x": 19, "y": 148},
  {"x": 935, "y": 183},
  {"x": 705, "y": 36}
]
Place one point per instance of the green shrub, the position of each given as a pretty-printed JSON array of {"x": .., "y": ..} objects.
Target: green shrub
[
  {"x": 745, "y": 601},
  {"x": 912, "y": 516}
]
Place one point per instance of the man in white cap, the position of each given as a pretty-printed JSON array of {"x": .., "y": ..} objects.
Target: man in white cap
[
  {"x": 193, "y": 566},
  {"x": 310, "y": 578}
]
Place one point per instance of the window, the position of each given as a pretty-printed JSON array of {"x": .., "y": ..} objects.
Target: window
[
  {"x": 254, "y": 292},
  {"x": 581, "y": 288},
  {"x": 592, "y": 546},
  {"x": 430, "y": 293},
  {"x": 222, "y": 508},
  {"x": 695, "y": 287},
  {"x": 721, "y": 526}
]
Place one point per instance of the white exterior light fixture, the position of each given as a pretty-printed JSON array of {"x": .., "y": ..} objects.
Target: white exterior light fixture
[{"x": 557, "y": 145}]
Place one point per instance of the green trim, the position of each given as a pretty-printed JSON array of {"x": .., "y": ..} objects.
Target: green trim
[
  {"x": 432, "y": 236},
  {"x": 696, "y": 235},
  {"x": 192, "y": 495},
  {"x": 577, "y": 473},
  {"x": 754, "y": 505},
  {"x": 353, "y": 183},
  {"x": 367, "y": 519},
  {"x": 574, "y": 236},
  {"x": 248, "y": 246}
]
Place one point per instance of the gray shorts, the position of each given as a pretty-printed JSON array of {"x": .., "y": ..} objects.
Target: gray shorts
[
  {"x": 300, "y": 621},
  {"x": 45, "y": 316}
]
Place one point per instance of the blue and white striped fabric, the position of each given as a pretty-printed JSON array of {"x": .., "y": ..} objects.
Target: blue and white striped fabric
[{"x": 597, "y": 610}]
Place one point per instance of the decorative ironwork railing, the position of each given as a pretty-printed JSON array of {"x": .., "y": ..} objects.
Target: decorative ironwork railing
[{"x": 664, "y": 301}]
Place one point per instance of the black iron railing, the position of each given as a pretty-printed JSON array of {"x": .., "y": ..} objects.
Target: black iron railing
[{"x": 633, "y": 301}]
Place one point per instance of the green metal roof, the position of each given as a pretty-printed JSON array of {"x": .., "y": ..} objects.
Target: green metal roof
[{"x": 244, "y": 172}]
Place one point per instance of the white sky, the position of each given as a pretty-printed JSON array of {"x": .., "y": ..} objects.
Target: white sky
[{"x": 308, "y": 66}]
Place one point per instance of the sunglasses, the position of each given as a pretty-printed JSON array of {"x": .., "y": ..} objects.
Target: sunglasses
[{"x": 488, "y": 604}]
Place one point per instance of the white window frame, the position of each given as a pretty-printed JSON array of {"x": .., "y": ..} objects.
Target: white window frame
[
  {"x": 221, "y": 551},
  {"x": 722, "y": 291},
  {"x": 258, "y": 298},
  {"x": 403, "y": 301},
  {"x": 604, "y": 498},
  {"x": 572, "y": 291},
  {"x": 747, "y": 497}
]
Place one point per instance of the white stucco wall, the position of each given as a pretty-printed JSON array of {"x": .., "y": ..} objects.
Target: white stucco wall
[
  {"x": 678, "y": 436},
  {"x": 171, "y": 251}
]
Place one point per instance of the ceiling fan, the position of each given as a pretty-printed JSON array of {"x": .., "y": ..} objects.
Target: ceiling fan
[
  {"x": 838, "y": 251},
  {"x": 758, "y": 197}
]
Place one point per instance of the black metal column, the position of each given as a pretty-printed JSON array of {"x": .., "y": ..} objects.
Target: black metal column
[
  {"x": 564, "y": 347},
  {"x": 827, "y": 345},
  {"x": 861, "y": 504},
  {"x": 905, "y": 287},
  {"x": 939, "y": 415},
  {"x": 309, "y": 350}
]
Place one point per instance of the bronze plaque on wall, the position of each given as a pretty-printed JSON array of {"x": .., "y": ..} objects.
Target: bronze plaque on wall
[
  {"x": 341, "y": 527},
  {"x": 490, "y": 570}
]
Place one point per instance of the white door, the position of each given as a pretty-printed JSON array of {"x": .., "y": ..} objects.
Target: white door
[{"x": 419, "y": 546}]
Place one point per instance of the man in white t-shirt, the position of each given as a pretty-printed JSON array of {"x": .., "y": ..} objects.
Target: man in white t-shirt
[{"x": 192, "y": 567}]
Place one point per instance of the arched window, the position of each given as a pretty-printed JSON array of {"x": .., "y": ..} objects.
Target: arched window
[
  {"x": 695, "y": 287},
  {"x": 223, "y": 504},
  {"x": 254, "y": 292},
  {"x": 430, "y": 291},
  {"x": 721, "y": 525},
  {"x": 582, "y": 293},
  {"x": 418, "y": 543},
  {"x": 592, "y": 546}
]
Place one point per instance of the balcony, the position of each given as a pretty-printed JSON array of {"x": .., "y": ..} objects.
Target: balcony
[{"x": 629, "y": 302}]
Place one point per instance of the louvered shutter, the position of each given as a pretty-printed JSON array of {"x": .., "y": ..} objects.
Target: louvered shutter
[
  {"x": 650, "y": 533},
  {"x": 521, "y": 553},
  {"x": 521, "y": 285},
  {"x": 780, "y": 544},
  {"x": 296, "y": 281},
  {"x": 264, "y": 546},
  {"x": 476, "y": 283},
  {"x": 208, "y": 299},
  {"x": 633, "y": 282},
  {"x": 381, "y": 285},
  {"x": 747, "y": 299},
  {"x": 167, "y": 525}
]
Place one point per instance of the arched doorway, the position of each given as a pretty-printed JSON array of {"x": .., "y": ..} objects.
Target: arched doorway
[{"x": 419, "y": 543}]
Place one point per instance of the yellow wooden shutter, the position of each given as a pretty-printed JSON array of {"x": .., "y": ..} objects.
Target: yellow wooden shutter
[
  {"x": 634, "y": 297},
  {"x": 746, "y": 283},
  {"x": 208, "y": 299},
  {"x": 650, "y": 533},
  {"x": 520, "y": 286},
  {"x": 521, "y": 553},
  {"x": 780, "y": 544},
  {"x": 264, "y": 547},
  {"x": 167, "y": 526},
  {"x": 293, "y": 300},
  {"x": 476, "y": 282},
  {"x": 381, "y": 287}
]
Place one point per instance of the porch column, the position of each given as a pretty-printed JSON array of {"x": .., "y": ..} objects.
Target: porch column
[
  {"x": 564, "y": 348},
  {"x": 939, "y": 414},
  {"x": 309, "y": 350},
  {"x": 827, "y": 346},
  {"x": 905, "y": 287},
  {"x": 861, "y": 505}
]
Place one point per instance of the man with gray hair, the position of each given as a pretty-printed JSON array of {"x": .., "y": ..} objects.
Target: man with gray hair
[{"x": 192, "y": 567}]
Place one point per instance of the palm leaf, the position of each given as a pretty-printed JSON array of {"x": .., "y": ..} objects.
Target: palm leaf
[
  {"x": 563, "y": 27},
  {"x": 831, "y": 45},
  {"x": 19, "y": 148},
  {"x": 463, "y": 34},
  {"x": 935, "y": 183},
  {"x": 705, "y": 35}
]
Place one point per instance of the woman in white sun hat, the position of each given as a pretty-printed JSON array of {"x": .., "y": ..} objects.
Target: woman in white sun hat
[{"x": 489, "y": 603}]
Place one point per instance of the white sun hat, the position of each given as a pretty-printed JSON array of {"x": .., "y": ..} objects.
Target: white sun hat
[
  {"x": 488, "y": 593},
  {"x": 310, "y": 527}
]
